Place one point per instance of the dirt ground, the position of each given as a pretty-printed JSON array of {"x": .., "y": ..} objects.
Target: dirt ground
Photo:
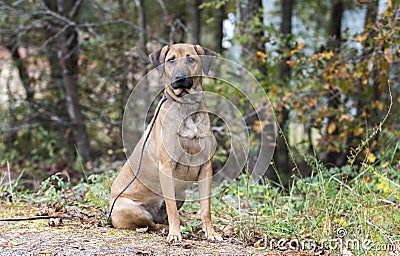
[
  {"x": 85, "y": 237},
  {"x": 40, "y": 239}
]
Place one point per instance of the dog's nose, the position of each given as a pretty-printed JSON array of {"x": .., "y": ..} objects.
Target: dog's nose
[{"x": 181, "y": 80}]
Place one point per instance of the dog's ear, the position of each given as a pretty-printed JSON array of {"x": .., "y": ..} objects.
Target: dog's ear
[
  {"x": 157, "y": 59},
  {"x": 207, "y": 59}
]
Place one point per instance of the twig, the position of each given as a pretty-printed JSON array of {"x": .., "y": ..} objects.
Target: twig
[
  {"x": 378, "y": 128},
  {"x": 291, "y": 155},
  {"x": 56, "y": 15},
  {"x": 48, "y": 40},
  {"x": 163, "y": 7},
  {"x": 74, "y": 9}
]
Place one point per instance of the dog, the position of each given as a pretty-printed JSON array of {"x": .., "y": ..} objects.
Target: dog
[{"x": 178, "y": 152}]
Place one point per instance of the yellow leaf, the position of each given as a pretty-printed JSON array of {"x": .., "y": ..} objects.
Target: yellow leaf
[
  {"x": 367, "y": 179},
  {"x": 328, "y": 54},
  {"x": 331, "y": 128},
  {"x": 341, "y": 221},
  {"x": 45, "y": 252},
  {"x": 380, "y": 105},
  {"x": 361, "y": 38},
  {"x": 371, "y": 157},
  {"x": 260, "y": 57},
  {"x": 313, "y": 102},
  {"x": 358, "y": 131},
  {"x": 300, "y": 45},
  {"x": 344, "y": 118},
  {"x": 259, "y": 243},
  {"x": 389, "y": 55},
  {"x": 398, "y": 99}
]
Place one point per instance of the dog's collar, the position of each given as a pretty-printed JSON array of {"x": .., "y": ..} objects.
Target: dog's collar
[{"x": 169, "y": 97}]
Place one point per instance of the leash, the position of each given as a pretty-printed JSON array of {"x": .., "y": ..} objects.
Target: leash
[
  {"x": 164, "y": 98},
  {"x": 38, "y": 218}
]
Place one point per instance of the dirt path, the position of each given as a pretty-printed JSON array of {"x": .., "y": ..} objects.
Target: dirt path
[
  {"x": 37, "y": 238},
  {"x": 88, "y": 234}
]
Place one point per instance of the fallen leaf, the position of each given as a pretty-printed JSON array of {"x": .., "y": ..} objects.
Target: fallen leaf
[
  {"x": 367, "y": 179},
  {"x": 45, "y": 252},
  {"x": 142, "y": 230},
  {"x": 259, "y": 243},
  {"x": 55, "y": 222}
]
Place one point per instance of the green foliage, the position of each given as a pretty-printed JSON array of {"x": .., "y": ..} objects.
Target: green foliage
[
  {"x": 58, "y": 192},
  {"x": 98, "y": 191},
  {"x": 53, "y": 190},
  {"x": 41, "y": 144},
  {"x": 362, "y": 202},
  {"x": 338, "y": 96}
]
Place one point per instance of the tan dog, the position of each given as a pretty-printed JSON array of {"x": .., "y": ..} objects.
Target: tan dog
[{"x": 178, "y": 151}]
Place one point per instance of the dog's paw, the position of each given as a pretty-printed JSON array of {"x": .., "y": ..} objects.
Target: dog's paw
[
  {"x": 174, "y": 238},
  {"x": 214, "y": 237}
]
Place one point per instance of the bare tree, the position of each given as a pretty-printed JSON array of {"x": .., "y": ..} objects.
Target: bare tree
[
  {"x": 194, "y": 24},
  {"x": 142, "y": 35},
  {"x": 64, "y": 37}
]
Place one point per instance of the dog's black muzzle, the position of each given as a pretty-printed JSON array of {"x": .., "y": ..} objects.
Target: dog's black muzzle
[{"x": 182, "y": 81}]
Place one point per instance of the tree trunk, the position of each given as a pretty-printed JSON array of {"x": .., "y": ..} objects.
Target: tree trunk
[
  {"x": 286, "y": 30},
  {"x": 67, "y": 47},
  {"x": 335, "y": 34},
  {"x": 246, "y": 11},
  {"x": 335, "y": 157},
  {"x": 23, "y": 74},
  {"x": 142, "y": 35},
  {"x": 194, "y": 23},
  {"x": 219, "y": 32},
  {"x": 281, "y": 156}
]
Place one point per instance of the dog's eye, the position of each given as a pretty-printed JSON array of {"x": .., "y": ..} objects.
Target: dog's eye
[
  {"x": 171, "y": 61},
  {"x": 191, "y": 60}
]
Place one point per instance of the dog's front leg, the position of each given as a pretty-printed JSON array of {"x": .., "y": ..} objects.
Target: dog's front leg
[
  {"x": 205, "y": 178},
  {"x": 168, "y": 190}
]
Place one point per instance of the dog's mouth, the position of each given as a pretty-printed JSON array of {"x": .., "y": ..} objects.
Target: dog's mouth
[
  {"x": 180, "y": 92},
  {"x": 182, "y": 83}
]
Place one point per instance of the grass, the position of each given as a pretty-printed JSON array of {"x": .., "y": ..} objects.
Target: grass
[
  {"x": 322, "y": 212},
  {"x": 327, "y": 206}
]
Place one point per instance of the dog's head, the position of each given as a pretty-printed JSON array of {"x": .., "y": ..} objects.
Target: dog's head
[{"x": 182, "y": 66}]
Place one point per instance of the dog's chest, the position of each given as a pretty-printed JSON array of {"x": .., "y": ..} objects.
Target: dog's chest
[
  {"x": 194, "y": 133},
  {"x": 192, "y": 127},
  {"x": 187, "y": 137}
]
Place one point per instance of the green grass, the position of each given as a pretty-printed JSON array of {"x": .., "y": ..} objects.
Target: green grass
[{"x": 326, "y": 206}]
